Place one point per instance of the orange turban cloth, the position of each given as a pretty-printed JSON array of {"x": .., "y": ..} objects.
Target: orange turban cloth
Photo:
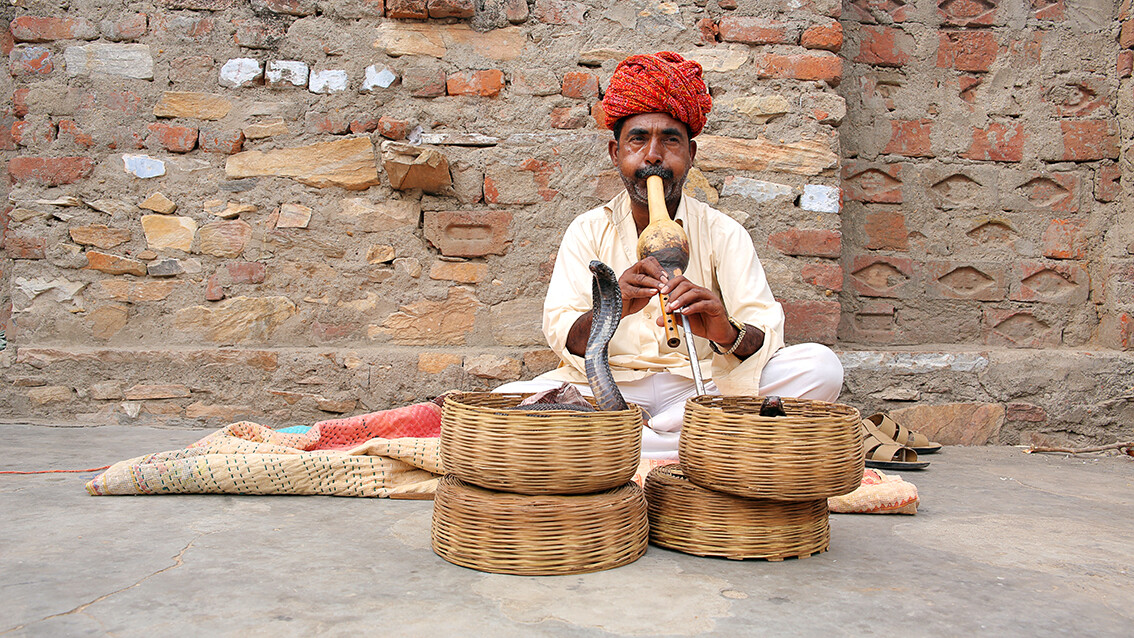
[{"x": 658, "y": 83}]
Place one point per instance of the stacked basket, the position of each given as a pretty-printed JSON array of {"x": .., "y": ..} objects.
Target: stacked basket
[
  {"x": 536, "y": 492},
  {"x": 755, "y": 487}
]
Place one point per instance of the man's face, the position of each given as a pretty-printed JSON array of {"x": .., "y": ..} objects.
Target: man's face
[{"x": 653, "y": 144}]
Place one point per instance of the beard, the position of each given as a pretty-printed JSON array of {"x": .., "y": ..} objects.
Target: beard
[{"x": 636, "y": 188}]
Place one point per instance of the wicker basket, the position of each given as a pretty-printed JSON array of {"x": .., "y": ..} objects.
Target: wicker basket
[
  {"x": 538, "y": 535},
  {"x": 698, "y": 521},
  {"x": 538, "y": 452},
  {"x": 814, "y": 452}
]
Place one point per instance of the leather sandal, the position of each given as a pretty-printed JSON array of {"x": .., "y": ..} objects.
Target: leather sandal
[
  {"x": 902, "y": 435},
  {"x": 884, "y": 454}
]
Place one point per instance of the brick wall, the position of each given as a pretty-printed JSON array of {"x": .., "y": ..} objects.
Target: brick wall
[{"x": 286, "y": 210}]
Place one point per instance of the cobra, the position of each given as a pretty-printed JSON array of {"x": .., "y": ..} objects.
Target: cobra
[{"x": 606, "y": 312}]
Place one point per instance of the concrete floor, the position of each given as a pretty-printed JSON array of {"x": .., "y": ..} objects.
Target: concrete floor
[{"x": 1005, "y": 544}]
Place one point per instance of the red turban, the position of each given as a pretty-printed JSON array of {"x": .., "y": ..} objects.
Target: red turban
[{"x": 658, "y": 83}]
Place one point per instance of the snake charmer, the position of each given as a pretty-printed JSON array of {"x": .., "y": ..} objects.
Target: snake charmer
[{"x": 656, "y": 105}]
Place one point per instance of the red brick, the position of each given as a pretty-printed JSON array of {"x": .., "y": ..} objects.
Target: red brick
[
  {"x": 1048, "y": 9},
  {"x": 23, "y": 247},
  {"x": 811, "y": 321},
  {"x": 1077, "y": 99},
  {"x": 214, "y": 291},
  {"x": 254, "y": 34},
  {"x": 807, "y": 243},
  {"x": 7, "y": 43},
  {"x": 828, "y": 68},
  {"x": 751, "y": 30},
  {"x": 20, "y": 102},
  {"x": 4, "y": 211},
  {"x": 393, "y": 129},
  {"x": 886, "y": 230},
  {"x": 998, "y": 143},
  {"x": 828, "y": 37},
  {"x": 452, "y": 8},
  {"x": 1116, "y": 331},
  {"x": 483, "y": 83},
  {"x": 285, "y": 7},
  {"x": 1109, "y": 185},
  {"x": 516, "y": 11},
  {"x": 829, "y": 276},
  {"x": 969, "y": 84},
  {"x": 1064, "y": 239},
  {"x": 1059, "y": 192},
  {"x": 580, "y": 84},
  {"x": 7, "y": 142},
  {"x": 332, "y": 331},
  {"x": 599, "y": 115},
  {"x": 364, "y": 125},
  {"x": 1088, "y": 140},
  {"x": 1063, "y": 282},
  {"x": 468, "y": 233},
  {"x": 124, "y": 139},
  {"x": 542, "y": 172},
  {"x": 909, "y": 138},
  {"x": 52, "y": 171},
  {"x": 177, "y": 139},
  {"x": 31, "y": 61},
  {"x": 424, "y": 81},
  {"x": 885, "y": 46},
  {"x": 881, "y": 276},
  {"x": 125, "y": 101},
  {"x": 191, "y": 68},
  {"x": 965, "y": 280},
  {"x": 412, "y": 9},
  {"x": 560, "y": 12},
  {"x": 966, "y": 50},
  {"x": 873, "y": 323},
  {"x": 33, "y": 133},
  {"x": 40, "y": 29},
  {"x": 710, "y": 33},
  {"x": 227, "y": 142},
  {"x": 966, "y": 13},
  {"x": 1017, "y": 329},
  {"x": 334, "y": 122},
  {"x": 77, "y": 135},
  {"x": 871, "y": 182},
  {"x": 1126, "y": 35},
  {"x": 246, "y": 272},
  {"x": 863, "y": 10},
  {"x": 130, "y": 27},
  {"x": 1125, "y": 65},
  {"x": 569, "y": 117},
  {"x": 1024, "y": 412}
]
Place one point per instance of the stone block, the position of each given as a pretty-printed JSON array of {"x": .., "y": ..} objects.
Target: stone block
[
  {"x": 130, "y": 291},
  {"x": 236, "y": 320},
  {"x": 114, "y": 265},
  {"x": 806, "y": 157},
  {"x": 375, "y": 78},
  {"x": 190, "y": 69},
  {"x": 756, "y": 31},
  {"x": 143, "y": 166},
  {"x": 489, "y": 366},
  {"x": 99, "y": 236},
  {"x": 188, "y": 104},
  {"x": 256, "y": 34},
  {"x": 540, "y": 361},
  {"x": 429, "y": 322},
  {"x": 197, "y": 5},
  {"x": 50, "y": 394},
  {"x": 885, "y": 46},
  {"x": 437, "y": 362},
  {"x": 246, "y": 272},
  {"x": 238, "y": 72},
  {"x": 763, "y": 108},
  {"x": 120, "y": 60},
  {"x": 807, "y": 242},
  {"x": 965, "y": 280},
  {"x": 380, "y": 254},
  {"x": 286, "y": 7},
  {"x": 872, "y": 182},
  {"x": 451, "y": 8},
  {"x": 722, "y": 58},
  {"x": 826, "y": 108},
  {"x": 462, "y": 272},
  {"x": 972, "y": 51},
  {"x": 31, "y": 61},
  {"x": 954, "y": 423},
  {"x": 169, "y": 232},
  {"x": 821, "y": 199},
  {"x": 25, "y": 247},
  {"x": 882, "y": 276},
  {"x": 262, "y": 130},
  {"x": 50, "y": 171},
  {"x": 226, "y": 239},
  {"x": 46, "y": 29},
  {"x": 1000, "y": 142},
  {"x": 282, "y": 74},
  {"x": 375, "y": 217},
  {"x": 158, "y": 203},
  {"x": 293, "y": 216},
  {"x": 222, "y": 141},
  {"x": 487, "y": 83},
  {"x": 164, "y": 268},
  {"x": 328, "y": 81},
  {"x": 145, "y": 392},
  {"x": 469, "y": 233},
  {"x": 811, "y": 321},
  {"x": 410, "y": 167},
  {"x": 1065, "y": 283},
  {"x": 559, "y": 12},
  {"x": 516, "y": 11},
  {"x": 517, "y": 322},
  {"x": 757, "y": 190},
  {"x": 347, "y": 163}
]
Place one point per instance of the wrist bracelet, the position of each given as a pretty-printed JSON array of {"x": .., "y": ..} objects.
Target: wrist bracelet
[{"x": 743, "y": 328}]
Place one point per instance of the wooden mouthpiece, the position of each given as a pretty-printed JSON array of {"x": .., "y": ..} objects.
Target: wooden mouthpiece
[{"x": 665, "y": 240}]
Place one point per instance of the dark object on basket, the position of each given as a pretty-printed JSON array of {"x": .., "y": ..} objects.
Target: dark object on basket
[{"x": 772, "y": 406}]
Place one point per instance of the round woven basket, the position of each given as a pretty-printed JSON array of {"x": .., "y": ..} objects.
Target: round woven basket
[
  {"x": 538, "y": 535},
  {"x": 538, "y": 452},
  {"x": 698, "y": 521},
  {"x": 814, "y": 452}
]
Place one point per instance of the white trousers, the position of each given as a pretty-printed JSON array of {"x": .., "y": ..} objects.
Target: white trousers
[{"x": 805, "y": 370}]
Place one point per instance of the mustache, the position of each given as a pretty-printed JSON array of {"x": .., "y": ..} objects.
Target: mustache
[{"x": 647, "y": 171}]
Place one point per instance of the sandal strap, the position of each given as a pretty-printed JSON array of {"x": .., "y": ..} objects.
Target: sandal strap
[
  {"x": 898, "y": 433},
  {"x": 881, "y": 448}
]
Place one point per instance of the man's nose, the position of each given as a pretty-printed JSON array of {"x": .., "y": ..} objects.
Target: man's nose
[{"x": 653, "y": 151}]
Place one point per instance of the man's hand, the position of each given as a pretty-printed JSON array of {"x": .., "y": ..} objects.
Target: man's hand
[
  {"x": 706, "y": 312},
  {"x": 639, "y": 284}
]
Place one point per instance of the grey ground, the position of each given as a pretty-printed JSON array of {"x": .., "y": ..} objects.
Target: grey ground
[{"x": 1005, "y": 544}]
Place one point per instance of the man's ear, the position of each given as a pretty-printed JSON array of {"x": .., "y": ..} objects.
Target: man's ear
[
  {"x": 612, "y": 148},
  {"x": 692, "y": 151}
]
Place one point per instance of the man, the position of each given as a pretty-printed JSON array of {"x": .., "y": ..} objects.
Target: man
[{"x": 657, "y": 104}]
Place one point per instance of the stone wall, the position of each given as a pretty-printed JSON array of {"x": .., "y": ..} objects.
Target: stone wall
[{"x": 285, "y": 210}]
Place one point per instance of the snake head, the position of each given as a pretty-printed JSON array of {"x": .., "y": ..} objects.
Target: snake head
[{"x": 602, "y": 271}]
